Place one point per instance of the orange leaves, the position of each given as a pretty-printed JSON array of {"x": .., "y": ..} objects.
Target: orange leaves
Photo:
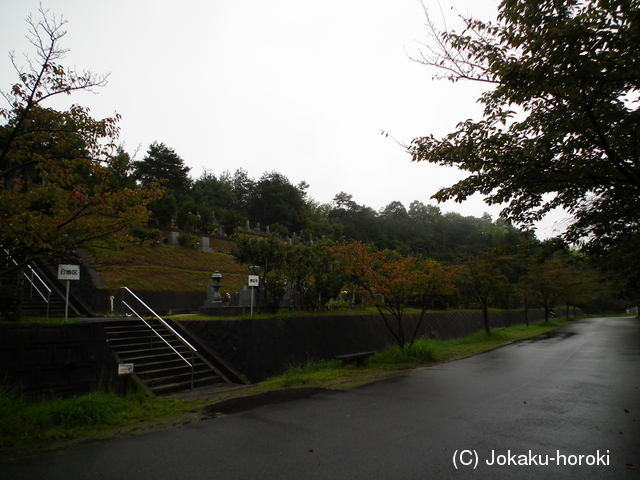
[{"x": 389, "y": 279}]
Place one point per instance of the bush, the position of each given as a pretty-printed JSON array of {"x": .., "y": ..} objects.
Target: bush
[
  {"x": 187, "y": 240},
  {"x": 144, "y": 234}
]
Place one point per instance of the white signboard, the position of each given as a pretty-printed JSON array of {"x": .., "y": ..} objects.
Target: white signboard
[
  {"x": 125, "y": 368},
  {"x": 68, "y": 272},
  {"x": 254, "y": 280}
]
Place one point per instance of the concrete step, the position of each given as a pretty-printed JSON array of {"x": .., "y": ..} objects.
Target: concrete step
[{"x": 155, "y": 363}]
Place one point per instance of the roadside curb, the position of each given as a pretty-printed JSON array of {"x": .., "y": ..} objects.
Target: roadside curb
[{"x": 249, "y": 402}]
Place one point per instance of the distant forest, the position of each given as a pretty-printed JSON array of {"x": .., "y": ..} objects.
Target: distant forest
[{"x": 273, "y": 201}]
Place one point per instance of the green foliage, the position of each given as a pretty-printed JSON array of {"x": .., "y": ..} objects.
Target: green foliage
[
  {"x": 420, "y": 352},
  {"x": 312, "y": 372},
  {"x": 187, "y": 240},
  {"x": 64, "y": 183},
  {"x": 25, "y": 423},
  {"x": 164, "y": 209},
  {"x": 144, "y": 234},
  {"x": 560, "y": 122},
  {"x": 163, "y": 164},
  {"x": 275, "y": 199}
]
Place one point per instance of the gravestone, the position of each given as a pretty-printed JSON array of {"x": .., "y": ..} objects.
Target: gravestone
[
  {"x": 204, "y": 244},
  {"x": 173, "y": 238}
]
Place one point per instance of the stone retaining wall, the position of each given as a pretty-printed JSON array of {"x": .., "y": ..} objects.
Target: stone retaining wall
[
  {"x": 262, "y": 348},
  {"x": 64, "y": 359}
]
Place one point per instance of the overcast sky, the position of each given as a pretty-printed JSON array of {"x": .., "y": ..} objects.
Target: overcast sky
[{"x": 302, "y": 87}]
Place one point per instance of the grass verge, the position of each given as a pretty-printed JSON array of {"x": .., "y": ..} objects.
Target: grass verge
[
  {"x": 30, "y": 427},
  {"x": 425, "y": 351},
  {"x": 394, "y": 359}
]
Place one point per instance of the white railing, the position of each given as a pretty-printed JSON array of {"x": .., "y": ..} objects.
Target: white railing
[
  {"x": 166, "y": 325},
  {"x": 31, "y": 279}
]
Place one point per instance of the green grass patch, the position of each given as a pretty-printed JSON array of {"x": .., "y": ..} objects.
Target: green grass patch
[
  {"x": 28, "y": 424},
  {"x": 39, "y": 321},
  {"x": 424, "y": 351},
  {"x": 282, "y": 313}
]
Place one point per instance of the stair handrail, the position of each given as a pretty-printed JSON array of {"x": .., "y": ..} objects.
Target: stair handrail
[
  {"x": 169, "y": 327},
  {"x": 33, "y": 272},
  {"x": 157, "y": 333}
]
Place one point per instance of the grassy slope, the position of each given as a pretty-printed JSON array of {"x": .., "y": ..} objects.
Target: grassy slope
[{"x": 162, "y": 268}]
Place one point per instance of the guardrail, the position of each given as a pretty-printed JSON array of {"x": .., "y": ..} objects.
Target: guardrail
[{"x": 166, "y": 325}]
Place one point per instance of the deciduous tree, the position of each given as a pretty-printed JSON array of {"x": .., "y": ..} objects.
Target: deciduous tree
[
  {"x": 63, "y": 180},
  {"x": 561, "y": 124},
  {"x": 482, "y": 277},
  {"x": 390, "y": 281}
]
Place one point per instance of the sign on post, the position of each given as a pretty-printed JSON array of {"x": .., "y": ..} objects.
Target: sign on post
[
  {"x": 68, "y": 272},
  {"x": 125, "y": 369},
  {"x": 254, "y": 281}
]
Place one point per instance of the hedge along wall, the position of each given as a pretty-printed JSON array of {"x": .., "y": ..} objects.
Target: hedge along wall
[{"x": 265, "y": 347}]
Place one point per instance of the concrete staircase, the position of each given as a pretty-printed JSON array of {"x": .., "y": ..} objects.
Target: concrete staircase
[
  {"x": 41, "y": 296},
  {"x": 162, "y": 370},
  {"x": 34, "y": 305}
]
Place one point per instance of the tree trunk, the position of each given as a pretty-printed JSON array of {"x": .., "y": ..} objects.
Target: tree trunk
[{"x": 485, "y": 314}]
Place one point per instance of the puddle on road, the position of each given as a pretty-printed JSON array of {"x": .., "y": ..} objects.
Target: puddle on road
[{"x": 552, "y": 334}]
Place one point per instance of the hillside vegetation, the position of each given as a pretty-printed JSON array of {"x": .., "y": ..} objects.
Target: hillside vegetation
[{"x": 160, "y": 267}]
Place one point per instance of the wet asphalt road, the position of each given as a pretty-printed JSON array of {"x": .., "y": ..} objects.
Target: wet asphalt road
[{"x": 544, "y": 401}]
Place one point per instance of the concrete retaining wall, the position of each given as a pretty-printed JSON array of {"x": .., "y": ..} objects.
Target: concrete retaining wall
[
  {"x": 262, "y": 348},
  {"x": 63, "y": 359},
  {"x": 70, "y": 359}
]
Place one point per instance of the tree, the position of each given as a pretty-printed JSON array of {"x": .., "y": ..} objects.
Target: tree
[
  {"x": 390, "y": 281},
  {"x": 275, "y": 199},
  {"x": 269, "y": 254},
  {"x": 561, "y": 123},
  {"x": 163, "y": 164},
  {"x": 63, "y": 180},
  {"x": 214, "y": 192},
  {"x": 482, "y": 278},
  {"x": 549, "y": 279}
]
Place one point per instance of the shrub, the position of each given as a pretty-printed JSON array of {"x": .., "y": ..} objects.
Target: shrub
[{"x": 187, "y": 240}]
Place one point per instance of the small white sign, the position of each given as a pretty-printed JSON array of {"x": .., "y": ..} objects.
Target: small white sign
[
  {"x": 68, "y": 272},
  {"x": 125, "y": 369},
  {"x": 254, "y": 280}
]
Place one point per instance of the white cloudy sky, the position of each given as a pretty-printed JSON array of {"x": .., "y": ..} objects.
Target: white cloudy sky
[{"x": 303, "y": 87}]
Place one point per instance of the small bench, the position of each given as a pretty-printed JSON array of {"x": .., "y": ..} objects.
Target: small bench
[{"x": 354, "y": 358}]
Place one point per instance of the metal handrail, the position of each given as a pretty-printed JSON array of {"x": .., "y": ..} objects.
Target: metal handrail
[
  {"x": 169, "y": 327},
  {"x": 33, "y": 272},
  {"x": 47, "y": 299},
  {"x": 157, "y": 333}
]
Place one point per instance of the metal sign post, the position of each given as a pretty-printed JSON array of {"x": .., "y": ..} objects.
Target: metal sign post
[
  {"x": 68, "y": 272},
  {"x": 254, "y": 281}
]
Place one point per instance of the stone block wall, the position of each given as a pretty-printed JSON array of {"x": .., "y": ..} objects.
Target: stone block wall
[
  {"x": 262, "y": 348},
  {"x": 64, "y": 359}
]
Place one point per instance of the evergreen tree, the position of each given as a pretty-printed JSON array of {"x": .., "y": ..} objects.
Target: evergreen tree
[{"x": 163, "y": 164}]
